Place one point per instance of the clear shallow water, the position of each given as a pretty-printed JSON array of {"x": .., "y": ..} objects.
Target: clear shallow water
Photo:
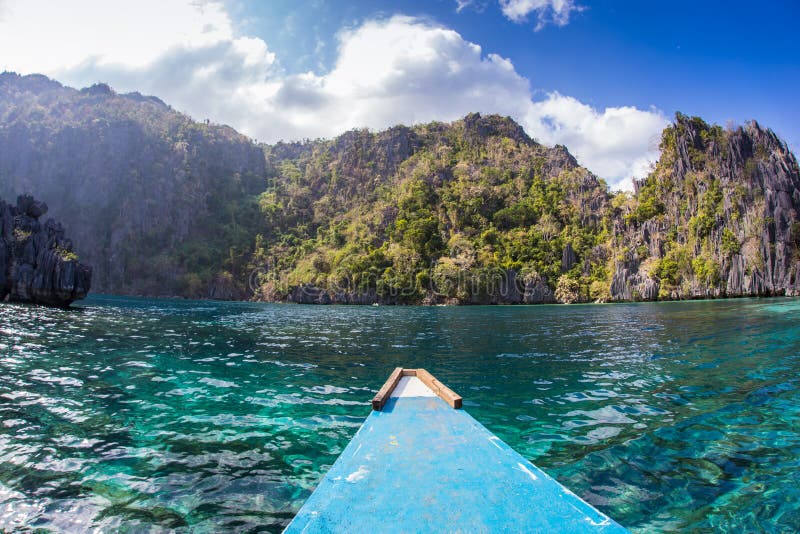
[{"x": 127, "y": 414}]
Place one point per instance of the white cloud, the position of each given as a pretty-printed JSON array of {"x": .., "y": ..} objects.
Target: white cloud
[
  {"x": 404, "y": 70},
  {"x": 556, "y": 11},
  {"x": 397, "y": 70},
  {"x": 461, "y": 5},
  {"x": 616, "y": 143},
  {"x": 56, "y": 36}
]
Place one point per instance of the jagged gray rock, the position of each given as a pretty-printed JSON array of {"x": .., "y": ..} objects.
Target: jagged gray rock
[
  {"x": 537, "y": 291},
  {"x": 568, "y": 258},
  {"x": 629, "y": 284},
  {"x": 130, "y": 177},
  {"x": 758, "y": 211},
  {"x": 163, "y": 205},
  {"x": 507, "y": 287},
  {"x": 36, "y": 261}
]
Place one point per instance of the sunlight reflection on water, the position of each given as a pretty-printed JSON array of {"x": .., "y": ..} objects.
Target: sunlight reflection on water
[{"x": 162, "y": 414}]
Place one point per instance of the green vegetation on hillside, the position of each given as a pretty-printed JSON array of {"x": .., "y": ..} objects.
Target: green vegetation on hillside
[
  {"x": 430, "y": 210},
  {"x": 470, "y": 211}
]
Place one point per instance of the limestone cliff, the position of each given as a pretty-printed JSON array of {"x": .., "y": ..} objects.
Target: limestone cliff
[
  {"x": 154, "y": 200},
  {"x": 37, "y": 263},
  {"x": 467, "y": 212},
  {"x": 718, "y": 217}
]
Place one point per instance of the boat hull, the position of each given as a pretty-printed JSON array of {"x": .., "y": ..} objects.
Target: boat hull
[{"x": 419, "y": 465}]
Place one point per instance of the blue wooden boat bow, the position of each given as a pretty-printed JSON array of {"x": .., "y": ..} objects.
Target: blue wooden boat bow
[{"x": 421, "y": 464}]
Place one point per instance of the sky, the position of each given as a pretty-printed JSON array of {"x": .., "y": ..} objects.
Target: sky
[{"x": 601, "y": 77}]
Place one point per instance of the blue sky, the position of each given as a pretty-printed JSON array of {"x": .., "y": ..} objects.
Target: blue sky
[
  {"x": 724, "y": 61},
  {"x": 601, "y": 77}
]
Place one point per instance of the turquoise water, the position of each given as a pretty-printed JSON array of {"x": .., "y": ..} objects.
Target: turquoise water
[{"x": 131, "y": 414}]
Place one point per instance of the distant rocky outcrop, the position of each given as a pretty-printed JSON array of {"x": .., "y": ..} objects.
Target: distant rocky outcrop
[
  {"x": 153, "y": 199},
  {"x": 37, "y": 263}
]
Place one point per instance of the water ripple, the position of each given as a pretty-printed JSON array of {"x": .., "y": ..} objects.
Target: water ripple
[{"x": 166, "y": 415}]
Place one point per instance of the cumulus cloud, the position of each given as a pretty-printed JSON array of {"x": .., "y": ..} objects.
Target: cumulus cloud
[
  {"x": 405, "y": 70},
  {"x": 55, "y": 36},
  {"x": 388, "y": 71},
  {"x": 617, "y": 143}
]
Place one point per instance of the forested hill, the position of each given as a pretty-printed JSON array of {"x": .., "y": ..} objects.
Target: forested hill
[
  {"x": 465, "y": 212},
  {"x": 471, "y": 211},
  {"x": 153, "y": 200}
]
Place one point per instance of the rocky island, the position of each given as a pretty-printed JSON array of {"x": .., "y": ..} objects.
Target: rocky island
[
  {"x": 492, "y": 217},
  {"x": 719, "y": 216},
  {"x": 37, "y": 263},
  {"x": 474, "y": 211}
]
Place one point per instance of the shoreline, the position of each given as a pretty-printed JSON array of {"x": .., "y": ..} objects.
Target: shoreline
[{"x": 101, "y": 296}]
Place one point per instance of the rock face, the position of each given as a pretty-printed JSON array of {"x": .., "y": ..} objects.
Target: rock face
[
  {"x": 37, "y": 263},
  {"x": 469, "y": 212},
  {"x": 309, "y": 294},
  {"x": 145, "y": 191},
  {"x": 628, "y": 284},
  {"x": 719, "y": 217},
  {"x": 509, "y": 287}
]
